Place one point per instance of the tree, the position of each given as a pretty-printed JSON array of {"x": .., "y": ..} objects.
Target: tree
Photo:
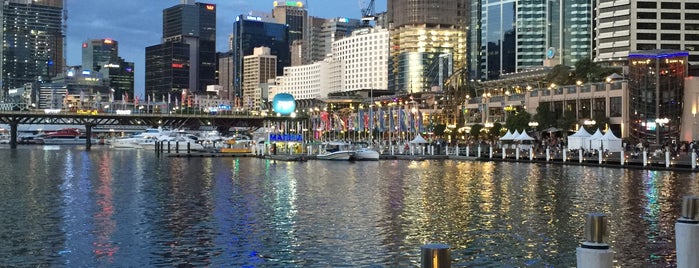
[
  {"x": 560, "y": 75},
  {"x": 475, "y": 131},
  {"x": 567, "y": 121},
  {"x": 587, "y": 70},
  {"x": 520, "y": 120},
  {"x": 544, "y": 116},
  {"x": 439, "y": 129}
]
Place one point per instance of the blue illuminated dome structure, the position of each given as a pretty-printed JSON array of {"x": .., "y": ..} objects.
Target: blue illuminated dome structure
[
  {"x": 656, "y": 89},
  {"x": 284, "y": 103}
]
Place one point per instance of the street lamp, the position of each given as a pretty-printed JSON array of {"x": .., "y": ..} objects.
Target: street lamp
[
  {"x": 533, "y": 125},
  {"x": 660, "y": 122}
]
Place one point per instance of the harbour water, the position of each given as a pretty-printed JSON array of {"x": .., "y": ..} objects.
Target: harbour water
[{"x": 65, "y": 207}]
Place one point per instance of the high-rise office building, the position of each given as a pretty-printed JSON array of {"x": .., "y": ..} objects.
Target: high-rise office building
[
  {"x": 251, "y": 31},
  {"x": 226, "y": 73},
  {"x": 426, "y": 36},
  {"x": 33, "y": 35},
  {"x": 497, "y": 46},
  {"x": 621, "y": 27},
  {"x": 102, "y": 56},
  {"x": 508, "y": 36},
  {"x": 258, "y": 68},
  {"x": 295, "y": 16},
  {"x": 188, "y": 28}
]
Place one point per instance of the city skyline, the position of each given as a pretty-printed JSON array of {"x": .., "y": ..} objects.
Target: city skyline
[{"x": 137, "y": 26}]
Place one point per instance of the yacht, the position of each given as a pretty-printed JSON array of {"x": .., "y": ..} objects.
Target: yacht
[
  {"x": 365, "y": 153},
  {"x": 335, "y": 151}
]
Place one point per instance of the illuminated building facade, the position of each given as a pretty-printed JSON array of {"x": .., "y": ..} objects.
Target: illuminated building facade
[
  {"x": 258, "y": 68},
  {"x": 656, "y": 92},
  {"x": 32, "y": 37},
  {"x": 426, "y": 36},
  {"x": 637, "y": 25},
  {"x": 188, "y": 26},
  {"x": 167, "y": 69},
  {"x": 102, "y": 56},
  {"x": 365, "y": 68}
]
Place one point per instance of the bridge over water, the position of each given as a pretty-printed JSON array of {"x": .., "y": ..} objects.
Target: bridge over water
[{"x": 90, "y": 120}]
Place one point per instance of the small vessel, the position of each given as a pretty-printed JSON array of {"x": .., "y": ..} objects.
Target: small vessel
[
  {"x": 237, "y": 146},
  {"x": 335, "y": 151},
  {"x": 365, "y": 153},
  {"x": 66, "y": 136}
]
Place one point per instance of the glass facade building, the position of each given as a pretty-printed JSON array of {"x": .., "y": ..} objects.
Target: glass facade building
[
  {"x": 102, "y": 56},
  {"x": 656, "y": 88},
  {"x": 498, "y": 39},
  {"x": 32, "y": 41},
  {"x": 191, "y": 26},
  {"x": 167, "y": 69},
  {"x": 250, "y": 32},
  {"x": 511, "y": 36}
]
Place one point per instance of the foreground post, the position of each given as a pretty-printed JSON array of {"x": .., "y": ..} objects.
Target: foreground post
[
  {"x": 564, "y": 154},
  {"x": 667, "y": 159},
  {"x": 504, "y": 152},
  {"x": 623, "y": 158},
  {"x": 490, "y": 152},
  {"x": 548, "y": 154},
  {"x": 595, "y": 251},
  {"x": 694, "y": 160},
  {"x": 645, "y": 157},
  {"x": 580, "y": 156},
  {"x": 687, "y": 233},
  {"x": 435, "y": 256}
]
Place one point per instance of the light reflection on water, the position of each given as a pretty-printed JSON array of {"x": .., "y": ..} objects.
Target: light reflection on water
[{"x": 128, "y": 208}]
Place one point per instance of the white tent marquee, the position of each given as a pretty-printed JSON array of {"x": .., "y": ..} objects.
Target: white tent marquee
[
  {"x": 507, "y": 136},
  {"x": 524, "y": 137},
  {"x": 579, "y": 139},
  {"x": 418, "y": 139},
  {"x": 607, "y": 142},
  {"x": 594, "y": 137}
]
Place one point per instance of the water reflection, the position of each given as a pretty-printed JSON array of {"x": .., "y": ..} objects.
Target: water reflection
[{"x": 131, "y": 208}]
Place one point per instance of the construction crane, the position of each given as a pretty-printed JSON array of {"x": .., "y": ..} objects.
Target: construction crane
[{"x": 368, "y": 12}]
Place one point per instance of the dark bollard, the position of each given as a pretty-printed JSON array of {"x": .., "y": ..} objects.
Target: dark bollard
[
  {"x": 435, "y": 255},
  {"x": 189, "y": 149},
  {"x": 177, "y": 147},
  {"x": 168, "y": 147},
  {"x": 687, "y": 233},
  {"x": 595, "y": 251}
]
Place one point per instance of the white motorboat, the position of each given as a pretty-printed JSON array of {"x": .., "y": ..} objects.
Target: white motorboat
[
  {"x": 335, "y": 151},
  {"x": 365, "y": 153}
]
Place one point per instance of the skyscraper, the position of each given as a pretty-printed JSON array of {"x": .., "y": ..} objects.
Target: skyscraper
[
  {"x": 33, "y": 39},
  {"x": 426, "y": 34},
  {"x": 295, "y": 16},
  {"x": 102, "y": 56},
  {"x": 189, "y": 47},
  {"x": 508, "y": 36},
  {"x": 251, "y": 31}
]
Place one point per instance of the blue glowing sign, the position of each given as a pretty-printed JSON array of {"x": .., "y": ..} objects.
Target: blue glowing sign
[
  {"x": 285, "y": 137},
  {"x": 284, "y": 103}
]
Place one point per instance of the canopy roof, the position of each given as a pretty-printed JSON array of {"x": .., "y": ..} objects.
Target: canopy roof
[
  {"x": 598, "y": 134},
  {"x": 581, "y": 133},
  {"x": 507, "y": 136},
  {"x": 418, "y": 139},
  {"x": 524, "y": 137}
]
